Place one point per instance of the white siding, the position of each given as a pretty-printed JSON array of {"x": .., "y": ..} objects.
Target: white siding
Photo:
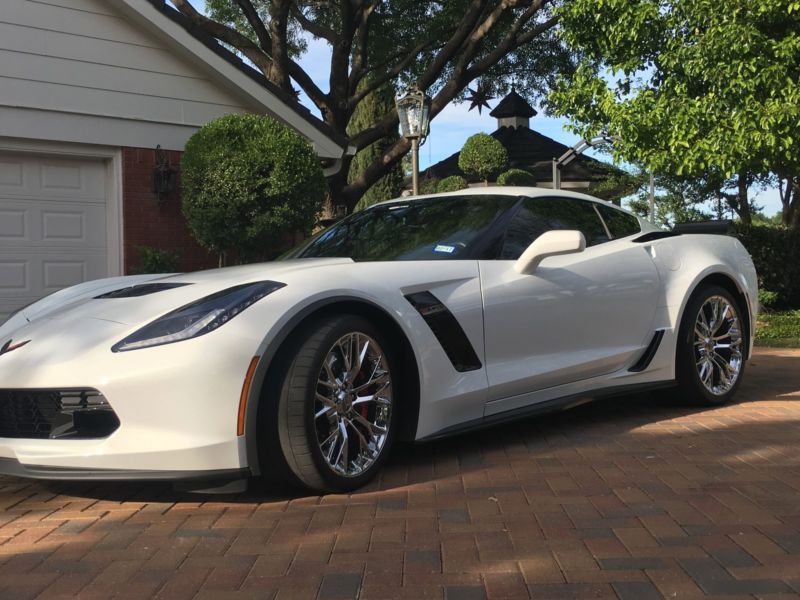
[{"x": 80, "y": 58}]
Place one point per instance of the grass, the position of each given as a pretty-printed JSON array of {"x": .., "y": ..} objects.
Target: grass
[{"x": 779, "y": 329}]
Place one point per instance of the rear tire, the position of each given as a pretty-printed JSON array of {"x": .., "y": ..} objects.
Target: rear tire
[
  {"x": 336, "y": 415},
  {"x": 712, "y": 346}
]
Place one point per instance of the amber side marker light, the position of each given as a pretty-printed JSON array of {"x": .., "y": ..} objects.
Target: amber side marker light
[{"x": 248, "y": 380}]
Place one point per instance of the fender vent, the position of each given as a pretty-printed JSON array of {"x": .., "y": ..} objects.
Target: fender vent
[
  {"x": 649, "y": 353},
  {"x": 447, "y": 330}
]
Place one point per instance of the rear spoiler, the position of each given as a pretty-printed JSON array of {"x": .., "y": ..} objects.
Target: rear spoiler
[{"x": 723, "y": 227}]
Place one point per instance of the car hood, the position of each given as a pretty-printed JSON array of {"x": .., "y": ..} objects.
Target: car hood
[{"x": 81, "y": 301}]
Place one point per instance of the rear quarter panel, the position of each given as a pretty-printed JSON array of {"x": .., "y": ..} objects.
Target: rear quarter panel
[{"x": 685, "y": 261}]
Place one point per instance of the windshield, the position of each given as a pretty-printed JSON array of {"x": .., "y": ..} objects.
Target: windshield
[{"x": 447, "y": 228}]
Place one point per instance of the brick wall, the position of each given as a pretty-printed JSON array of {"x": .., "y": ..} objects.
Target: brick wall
[{"x": 146, "y": 222}]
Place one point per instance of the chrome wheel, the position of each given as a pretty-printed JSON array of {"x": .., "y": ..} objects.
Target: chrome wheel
[
  {"x": 718, "y": 345},
  {"x": 353, "y": 404}
]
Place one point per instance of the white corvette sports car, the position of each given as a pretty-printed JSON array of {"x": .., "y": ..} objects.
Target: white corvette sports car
[{"x": 413, "y": 319}]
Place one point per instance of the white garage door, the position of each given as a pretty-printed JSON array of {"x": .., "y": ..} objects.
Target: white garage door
[{"x": 52, "y": 226}]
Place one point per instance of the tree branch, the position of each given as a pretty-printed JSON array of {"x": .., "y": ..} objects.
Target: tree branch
[
  {"x": 311, "y": 27},
  {"x": 449, "y": 51},
  {"x": 359, "y": 63},
  {"x": 511, "y": 41},
  {"x": 390, "y": 73},
  {"x": 312, "y": 90},
  {"x": 228, "y": 35},
  {"x": 256, "y": 23},
  {"x": 278, "y": 26}
]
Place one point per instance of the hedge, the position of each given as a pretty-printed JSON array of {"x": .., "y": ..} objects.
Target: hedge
[{"x": 776, "y": 255}]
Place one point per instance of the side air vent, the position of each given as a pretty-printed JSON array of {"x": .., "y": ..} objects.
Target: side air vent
[
  {"x": 142, "y": 289},
  {"x": 649, "y": 353},
  {"x": 447, "y": 330}
]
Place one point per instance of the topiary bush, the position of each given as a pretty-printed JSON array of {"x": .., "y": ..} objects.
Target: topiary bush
[
  {"x": 482, "y": 156},
  {"x": 247, "y": 181},
  {"x": 516, "y": 177},
  {"x": 451, "y": 184},
  {"x": 775, "y": 251}
]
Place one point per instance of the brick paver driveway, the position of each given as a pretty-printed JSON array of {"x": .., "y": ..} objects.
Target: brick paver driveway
[{"x": 629, "y": 497}]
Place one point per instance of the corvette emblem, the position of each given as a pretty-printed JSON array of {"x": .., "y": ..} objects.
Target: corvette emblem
[{"x": 8, "y": 346}]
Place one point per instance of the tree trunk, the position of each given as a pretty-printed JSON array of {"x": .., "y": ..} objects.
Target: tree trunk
[
  {"x": 743, "y": 210},
  {"x": 790, "y": 216},
  {"x": 350, "y": 193}
]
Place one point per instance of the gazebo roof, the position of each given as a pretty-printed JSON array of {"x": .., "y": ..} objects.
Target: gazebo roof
[
  {"x": 532, "y": 151},
  {"x": 513, "y": 105}
]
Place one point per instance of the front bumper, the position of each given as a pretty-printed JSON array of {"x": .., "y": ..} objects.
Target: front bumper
[{"x": 177, "y": 404}]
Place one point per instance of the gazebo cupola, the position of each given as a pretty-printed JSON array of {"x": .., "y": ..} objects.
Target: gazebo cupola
[{"x": 513, "y": 111}]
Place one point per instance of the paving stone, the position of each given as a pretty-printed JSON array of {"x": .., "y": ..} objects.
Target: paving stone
[
  {"x": 464, "y": 592},
  {"x": 339, "y": 587},
  {"x": 632, "y": 497},
  {"x": 636, "y": 590}
]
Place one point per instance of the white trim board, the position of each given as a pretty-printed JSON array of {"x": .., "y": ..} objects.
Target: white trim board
[{"x": 262, "y": 100}]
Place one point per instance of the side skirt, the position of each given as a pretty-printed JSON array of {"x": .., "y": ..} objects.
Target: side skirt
[{"x": 547, "y": 406}]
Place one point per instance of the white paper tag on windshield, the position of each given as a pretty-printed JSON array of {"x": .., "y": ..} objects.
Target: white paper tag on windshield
[{"x": 444, "y": 248}]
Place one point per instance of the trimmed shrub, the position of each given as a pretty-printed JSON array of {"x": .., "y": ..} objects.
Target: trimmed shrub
[
  {"x": 482, "y": 156},
  {"x": 451, "y": 184},
  {"x": 775, "y": 252},
  {"x": 247, "y": 181},
  {"x": 155, "y": 260},
  {"x": 428, "y": 185},
  {"x": 766, "y": 298},
  {"x": 516, "y": 177}
]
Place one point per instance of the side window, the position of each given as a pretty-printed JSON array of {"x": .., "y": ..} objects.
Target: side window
[
  {"x": 619, "y": 223},
  {"x": 539, "y": 215}
]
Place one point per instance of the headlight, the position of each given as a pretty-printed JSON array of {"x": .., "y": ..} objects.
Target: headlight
[{"x": 198, "y": 318}]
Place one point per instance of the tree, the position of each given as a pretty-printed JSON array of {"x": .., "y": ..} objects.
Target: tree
[
  {"x": 691, "y": 87},
  {"x": 677, "y": 200},
  {"x": 439, "y": 47},
  {"x": 482, "y": 156},
  {"x": 247, "y": 182},
  {"x": 370, "y": 109}
]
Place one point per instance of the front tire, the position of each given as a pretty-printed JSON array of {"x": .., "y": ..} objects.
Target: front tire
[
  {"x": 711, "y": 347},
  {"x": 336, "y": 412}
]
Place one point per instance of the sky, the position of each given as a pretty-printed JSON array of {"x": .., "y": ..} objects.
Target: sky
[{"x": 451, "y": 127}]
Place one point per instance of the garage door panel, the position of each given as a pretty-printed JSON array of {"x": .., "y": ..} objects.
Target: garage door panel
[
  {"x": 14, "y": 276},
  {"x": 36, "y": 223},
  {"x": 52, "y": 177},
  {"x": 53, "y": 230},
  {"x": 11, "y": 174},
  {"x": 42, "y": 273},
  {"x": 13, "y": 224}
]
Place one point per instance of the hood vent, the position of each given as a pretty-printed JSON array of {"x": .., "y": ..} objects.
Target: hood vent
[{"x": 142, "y": 289}]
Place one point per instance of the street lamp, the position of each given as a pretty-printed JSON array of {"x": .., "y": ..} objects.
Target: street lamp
[{"x": 413, "y": 109}]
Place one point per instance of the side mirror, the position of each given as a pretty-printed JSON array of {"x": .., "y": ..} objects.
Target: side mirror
[{"x": 552, "y": 243}]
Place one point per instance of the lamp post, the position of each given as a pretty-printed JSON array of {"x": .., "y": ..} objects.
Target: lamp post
[{"x": 413, "y": 110}]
